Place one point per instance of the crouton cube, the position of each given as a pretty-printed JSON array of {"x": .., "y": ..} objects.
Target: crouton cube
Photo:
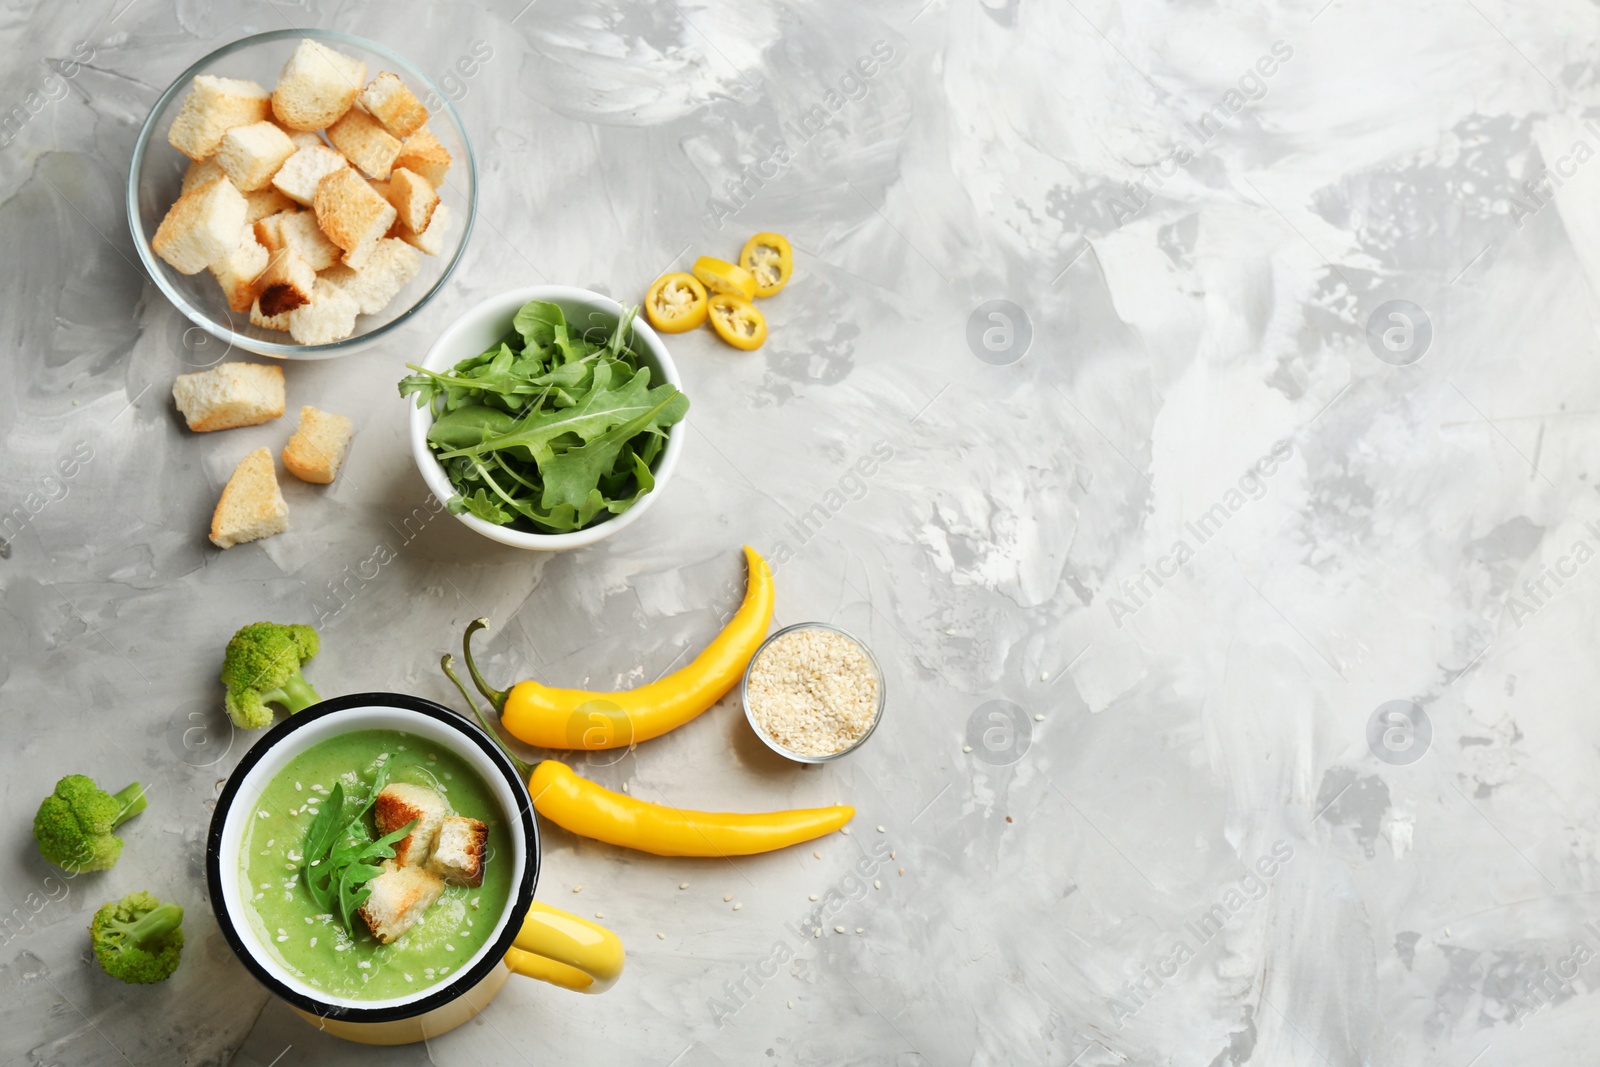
[
  {"x": 213, "y": 107},
  {"x": 317, "y": 450},
  {"x": 230, "y": 395},
  {"x": 399, "y": 898},
  {"x": 286, "y": 283},
  {"x": 421, "y": 153},
  {"x": 316, "y": 87},
  {"x": 353, "y": 216},
  {"x": 386, "y": 271},
  {"x": 394, "y": 105},
  {"x": 413, "y": 198},
  {"x": 458, "y": 854},
  {"x": 271, "y": 322},
  {"x": 202, "y": 227},
  {"x": 251, "y": 506},
  {"x": 264, "y": 202},
  {"x": 298, "y": 230},
  {"x": 198, "y": 173},
  {"x": 298, "y": 177},
  {"x": 400, "y": 802},
  {"x": 331, "y": 316},
  {"x": 237, "y": 271},
  {"x": 430, "y": 240},
  {"x": 304, "y": 138},
  {"x": 251, "y": 155},
  {"x": 365, "y": 142}
]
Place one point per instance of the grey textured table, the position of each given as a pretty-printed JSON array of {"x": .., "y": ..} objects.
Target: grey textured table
[{"x": 1231, "y": 577}]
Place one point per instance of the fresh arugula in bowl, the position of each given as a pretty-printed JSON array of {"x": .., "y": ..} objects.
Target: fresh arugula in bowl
[{"x": 553, "y": 428}]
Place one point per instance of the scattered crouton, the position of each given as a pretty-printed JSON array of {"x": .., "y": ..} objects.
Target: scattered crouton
[
  {"x": 413, "y": 198},
  {"x": 386, "y": 271},
  {"x": 353, "y": 216},
  {"x": 264, "y": 202},
  {"x": 422, "y": 154},
  {"x": 317, "y": 450},
  {"x": 394, "y": 105},
  {"x": 286, "y": 283},
  {"x": 212, "y": 108},
  {"x": 399, "y": 898},
  {"x": 430, "y": 240},
  {"x": 251, "y": 506},
  {"x": 251, "y": 155},
  {"x": 237, "y": 271},
  {"x": 317, "y": 86},
  {"x": 400, "y": 802},
  {"x": 365, "y": 142},
  {"x": 331, "y": 316},
  {"x": 202, "y": 227},
  {"x": 198, "y": 173},
  {"x": 230, "y": 395},
  {"x": 458, "y": 854},
  {"x": 298, "y": 177},
  {"x": 298, "y": 230}
]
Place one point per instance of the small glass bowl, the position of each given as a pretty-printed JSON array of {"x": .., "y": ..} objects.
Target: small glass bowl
[
  {"x": 157, "y": 172},
  {"x": 766, "y": 739}
]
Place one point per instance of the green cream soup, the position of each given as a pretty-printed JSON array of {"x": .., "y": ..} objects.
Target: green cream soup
[{"x": 312, "y": 944}]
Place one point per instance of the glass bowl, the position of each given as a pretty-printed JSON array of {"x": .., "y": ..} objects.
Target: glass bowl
[
  {"x": 766, "y": 738},
  {"x": 157, "y": 172}
]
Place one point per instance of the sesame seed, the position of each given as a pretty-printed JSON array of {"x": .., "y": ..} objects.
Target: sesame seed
[
  {"x": 577, "y": 889},
  {"x": 844, "y": 829},
  {"x": 407, "y": 977},
  {"x": 736, "y": 907},
  {"x": 599, "y": 915},
  {"x": 791, "y": 1003},
  {"x": 660, "y": 936},
  {"x": 817, "y": 932},
  {"x": 1038, "y": 718},
  {"x": 838, "y": 929},
  {"x": 365, "y": 965},
  {"x": 816, "y": 855},
  {"x": 891, "y": 853},
  {"x": 966, "y": 748},
  {"x": 877, "y": 884},
  {"x": 297, "y": 787},
  {"x": 813, "y": 896},
  {"x": 727, "y": 897},
  {"x": 881, "y": 830},
  {"x": 448, "y": 947},
  {"x": 683, "y": 885},
  {"x": 861, "y": 929},
  {"x": 313, "y": 942}
]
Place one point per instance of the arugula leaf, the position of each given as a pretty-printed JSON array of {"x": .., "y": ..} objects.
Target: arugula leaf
[{"x": 551, "y": 429}]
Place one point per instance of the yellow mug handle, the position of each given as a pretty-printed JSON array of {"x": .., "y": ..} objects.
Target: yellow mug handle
[{"x": 556, "y": 946}]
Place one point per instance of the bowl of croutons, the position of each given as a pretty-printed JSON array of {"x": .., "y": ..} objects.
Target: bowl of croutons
[{"x": 301, "y": 193}]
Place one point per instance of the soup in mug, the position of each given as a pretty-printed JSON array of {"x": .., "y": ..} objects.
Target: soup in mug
[{"x": 311, "y": 943}]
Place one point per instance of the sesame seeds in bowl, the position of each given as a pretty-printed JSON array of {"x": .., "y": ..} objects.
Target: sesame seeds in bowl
[{"x": 813, "y": 692}]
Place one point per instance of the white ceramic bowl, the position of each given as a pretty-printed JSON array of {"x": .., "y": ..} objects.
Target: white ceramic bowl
[{"x": 489, "y": 322}]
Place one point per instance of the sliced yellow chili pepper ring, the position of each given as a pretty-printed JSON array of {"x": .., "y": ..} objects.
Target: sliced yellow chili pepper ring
[
  {"x": 720, "y": 276},
  {"x": 737, "y": 322},
  {"x": 770, "y": 260},
  {"x": 675, "y": 303}
]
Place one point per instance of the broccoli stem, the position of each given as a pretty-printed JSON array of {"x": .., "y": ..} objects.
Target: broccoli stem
[
  {"x": 132, "y": 800},
  {"x": 153, "y": 925},
  {"x": 298, "y": 694}
]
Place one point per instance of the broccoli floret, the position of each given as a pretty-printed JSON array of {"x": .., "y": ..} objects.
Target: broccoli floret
[
  {"x": 138, "y": 938},
  {"x": 262, "y": 666},
  {"x": 73, "y": 825}
]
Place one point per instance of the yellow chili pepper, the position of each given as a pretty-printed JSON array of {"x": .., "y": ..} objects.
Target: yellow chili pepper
[
  {"x": 675, "y": 303},
  {"x": 770, "y": 260},
  {"x": 578, "y": 719},
  {"x": 720, "y": 276},
  {"x": 738, "y": 322},
  {"x": 592, "y": 811},
  {"x": 589, "y": 810}
]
